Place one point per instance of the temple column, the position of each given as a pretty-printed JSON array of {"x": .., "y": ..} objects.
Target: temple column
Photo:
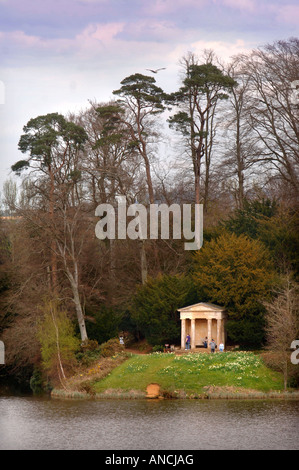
[
  {"x": 209, "y": 331},
  {"x": 193, "y": 333},
  {"x": 219, "y": 322},
  {"x": 183, "y": 333}
]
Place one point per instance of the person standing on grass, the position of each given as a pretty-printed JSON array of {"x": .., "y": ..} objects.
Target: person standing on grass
[{"x": 213, "y": 346}]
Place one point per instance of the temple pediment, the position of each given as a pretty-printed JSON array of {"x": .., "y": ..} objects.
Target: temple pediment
[
  {"x": 202, "y": 306},
  {"x": 202, "y": 310}
]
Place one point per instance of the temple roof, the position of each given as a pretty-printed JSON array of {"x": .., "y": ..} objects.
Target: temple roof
[{"x": 202, "y": 306}]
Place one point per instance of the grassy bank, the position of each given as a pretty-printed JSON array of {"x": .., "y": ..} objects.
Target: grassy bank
[{"x": 193, "y": 375}]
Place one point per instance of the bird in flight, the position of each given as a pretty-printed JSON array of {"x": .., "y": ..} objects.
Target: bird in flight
[{"x": 157, "y": 70}]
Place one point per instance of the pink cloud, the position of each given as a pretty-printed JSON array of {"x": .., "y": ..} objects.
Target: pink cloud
[
  {"x": 224, "y": 50},
  {"x": 19, "y": 38},
  {"x": 104, "y": 33},
  {"x": 93, "y": 35}
]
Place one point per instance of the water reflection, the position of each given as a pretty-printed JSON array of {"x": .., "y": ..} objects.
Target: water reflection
[{"x": 31, "y": 423}]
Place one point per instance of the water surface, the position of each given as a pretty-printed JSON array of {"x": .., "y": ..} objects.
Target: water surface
[{"x": 41, "y": 424}]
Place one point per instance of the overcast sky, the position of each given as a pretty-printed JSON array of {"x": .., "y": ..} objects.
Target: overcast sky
[{"x": 55, "y": 55}]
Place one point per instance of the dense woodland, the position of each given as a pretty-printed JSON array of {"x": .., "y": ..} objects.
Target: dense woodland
[{"x": 227, "y": 138}]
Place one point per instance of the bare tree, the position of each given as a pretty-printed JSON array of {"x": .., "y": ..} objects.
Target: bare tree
[
  {"x": 271, "y": 111},
  {"x": 240, "y": 149},
  {"x": 110, "y": 165},
  {"x": 10, "y": 195},
  {"x": 283, "y": 325}
]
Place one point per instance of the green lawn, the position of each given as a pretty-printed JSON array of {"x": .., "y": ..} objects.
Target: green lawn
[{"x": 192, "y": 372}]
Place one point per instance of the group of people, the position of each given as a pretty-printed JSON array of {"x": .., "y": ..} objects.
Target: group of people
[{"x": 212, "y": 344}]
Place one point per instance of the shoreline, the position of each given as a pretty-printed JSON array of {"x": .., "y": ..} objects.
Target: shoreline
[{"x": 179, "y": 395}]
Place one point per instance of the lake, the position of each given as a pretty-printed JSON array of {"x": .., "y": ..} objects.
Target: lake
[{"x": 44, "y": 423}]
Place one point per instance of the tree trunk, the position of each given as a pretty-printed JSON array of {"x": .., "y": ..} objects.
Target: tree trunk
[
  {"x": 240, "y": 164},
  {"x": 80, "y": 315},
  {"x": 143, "y": 263},
  {"x": 60, "y": 368},
  {"x": 78, "y": 307},
  {"x": 53, "y": 247},
  {"x": 285, "y": 375},
  {"x": 74, "y": 282},
  {"x": 152, "y": 201}
]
